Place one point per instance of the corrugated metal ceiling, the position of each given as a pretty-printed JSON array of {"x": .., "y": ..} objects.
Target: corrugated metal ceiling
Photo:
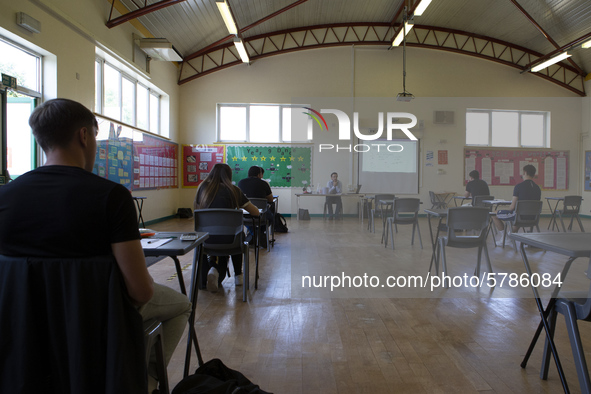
[{"x": 194, "y": 24}]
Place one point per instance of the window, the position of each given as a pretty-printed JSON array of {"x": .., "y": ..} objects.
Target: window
[
  {"x": 262, "y": 123},
  {"x": 508, "y": 128},
  {"x": 122, "y": 97},
  {"x": 25, "y": 66}
]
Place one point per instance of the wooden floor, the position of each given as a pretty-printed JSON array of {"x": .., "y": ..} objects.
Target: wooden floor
[{"x": 290, "y": 339}]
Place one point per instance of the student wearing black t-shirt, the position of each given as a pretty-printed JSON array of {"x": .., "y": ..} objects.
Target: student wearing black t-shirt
[
  {"x": 255, "y": 187},
  {"x": 64, "y": 210},
  {"x": 217, "y": 191},
  {"x": 526, "y": 190},
  {"x": 476, "y": 186}
]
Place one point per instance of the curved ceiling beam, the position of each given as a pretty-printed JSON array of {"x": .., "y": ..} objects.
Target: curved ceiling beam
[{"x": 421, "y": 36}]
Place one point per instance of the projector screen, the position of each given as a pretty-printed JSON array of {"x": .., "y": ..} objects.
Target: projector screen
[{"x": 392, "y": 169}]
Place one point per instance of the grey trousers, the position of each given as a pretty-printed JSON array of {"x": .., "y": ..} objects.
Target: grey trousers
[{"x": 172, "y": 309}]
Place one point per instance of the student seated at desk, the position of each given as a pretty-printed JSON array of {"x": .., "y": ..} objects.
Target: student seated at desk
[
  {"x": 255, "y": 187},
  {"x": 476, "y": 186},
  {"x": 334, "y": 186},
  {"x": 526, "y": 190},
  {"x": 63, "y": 210},
  {"x": 217, "y": 191}
]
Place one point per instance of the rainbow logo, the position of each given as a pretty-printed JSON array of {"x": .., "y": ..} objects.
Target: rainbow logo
[{"x": 316, "y": 117}]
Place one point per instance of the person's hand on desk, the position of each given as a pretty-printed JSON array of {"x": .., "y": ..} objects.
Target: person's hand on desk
[{"x": 251, "y": 209}]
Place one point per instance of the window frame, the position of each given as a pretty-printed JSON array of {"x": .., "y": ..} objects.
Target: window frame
[
  {"x": 247, "y": 106},
  {"x": 545, "y": 127},
  {"x": 100, "y": 96}
]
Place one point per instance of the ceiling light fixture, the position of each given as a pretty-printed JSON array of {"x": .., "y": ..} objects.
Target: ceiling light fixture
[
  {"x": 551, "y": 61},
  {"x": 241, "y": 50},
  {"x": 159, "y": 49},
  {"x": 227, "y": 16},
  {"x": 406, "y": 28},
  {"x": 586, "y": 44},
  {"x": 422, "y": 7}
]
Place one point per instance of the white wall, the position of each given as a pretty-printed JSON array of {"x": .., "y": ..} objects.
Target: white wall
[
  {"x": 70, "y": 32},
  {"x": 439, "y": 80}
]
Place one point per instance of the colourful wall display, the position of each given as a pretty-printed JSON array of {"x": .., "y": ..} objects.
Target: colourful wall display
[
  {"x": 135, "y": 159},
  {"x": 503, "y": 167},
  {"x": 285, "y": 166},
  {"x": 198, "y": 161},
  {"x": 587, "y": 170}
]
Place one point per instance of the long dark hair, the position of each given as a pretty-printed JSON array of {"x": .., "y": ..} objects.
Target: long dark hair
[{"x": 219, "y": 177}]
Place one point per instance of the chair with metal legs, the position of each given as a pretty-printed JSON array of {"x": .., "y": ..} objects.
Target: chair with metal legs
[
  {"x": 405, "y": 211},
  {"x": 571, "y": 207},
  {"x": 527, "y": 214},
  {"x": 465, "y": 219}
]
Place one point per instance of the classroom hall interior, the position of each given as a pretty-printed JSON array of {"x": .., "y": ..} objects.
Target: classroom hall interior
[{"x": 288, "y": 338}]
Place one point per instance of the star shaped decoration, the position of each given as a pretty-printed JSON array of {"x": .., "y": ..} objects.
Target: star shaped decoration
[
  {"x": 283, "y": 159},
  {"x": 300, "y": 158},
  {"x": 234, "y": 158},
  {"x": 263, "y": 158},
  {"x": 254, "y": 158},
  {"x": 272, "y": 158},
  {"x": 244, "y": 158}
]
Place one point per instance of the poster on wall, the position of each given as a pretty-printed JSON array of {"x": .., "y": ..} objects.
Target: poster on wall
[
  {"x": 503, "y": 167},
  {"x": 135, "y": 159},
  {"x": 588, "y": 170},
  {"x": 285, "y": 166},
  {"x": 198, "y": 161}
]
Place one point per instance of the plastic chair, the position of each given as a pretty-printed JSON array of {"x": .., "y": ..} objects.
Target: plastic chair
[
  {"x": 527, "y": 214},
  {"x": 381, "y": 210},
  {"x": 262, "y": 205},
  {"x": 229, "y": 222},
  {"x": 153, "y": 338},
  {"x": 436, "y": 202},
  {"x": 68, "y": 326},
  {"x": 465, "y": 218},
  {"x": 574, "y": 306},
  {"x": 571, "y": 207},
  {"x": 405, "y": 211},
  {"x": 477, "y": 201}
]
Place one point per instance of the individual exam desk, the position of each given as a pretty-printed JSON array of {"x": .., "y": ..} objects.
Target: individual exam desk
[
  {"x": 173, "y": 249},
  {"x": 572, "y": 245}
]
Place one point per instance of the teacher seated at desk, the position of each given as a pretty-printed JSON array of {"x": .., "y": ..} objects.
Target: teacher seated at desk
[
  {"x": 526, "y": 190},
  {"x": 334, "y": 186}
]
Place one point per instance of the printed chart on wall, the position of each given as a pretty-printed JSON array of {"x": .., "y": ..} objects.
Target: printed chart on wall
[
  {"x": 198, "y": 161},
  {"x": 285, "y": 166},
  {"x": 500, "y": 167},
  {"x": 134, "y": 159},
  {"x": 587, "y": 170}
]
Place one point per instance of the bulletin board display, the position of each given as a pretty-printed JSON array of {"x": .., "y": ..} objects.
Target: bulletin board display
[
  {"x": 503, "y": 167},
  {"x": 587, "y": 170},
  {"x": 285, "y": 166},
  {"x": 198, "y": 160},
  {"x": 136, "y": 160}
]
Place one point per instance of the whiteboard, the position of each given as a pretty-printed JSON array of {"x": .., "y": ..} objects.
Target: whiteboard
[{"x": 386, "y": 171}]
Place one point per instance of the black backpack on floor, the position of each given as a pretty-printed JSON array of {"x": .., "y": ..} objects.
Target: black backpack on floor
[
  {"x": 214, "y": 377},
  {"x": 280, "y": 223}
]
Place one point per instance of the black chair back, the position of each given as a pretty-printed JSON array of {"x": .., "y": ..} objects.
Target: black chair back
[{"x": 67, "y": 325}]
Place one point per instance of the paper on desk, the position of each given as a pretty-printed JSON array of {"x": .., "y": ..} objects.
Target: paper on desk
[{"x": 153, "y": 243}]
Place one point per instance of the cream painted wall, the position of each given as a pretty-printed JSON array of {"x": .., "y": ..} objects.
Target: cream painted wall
[
  {"x": 69, "y": 34},
  {"x": 440, "y": 80}
]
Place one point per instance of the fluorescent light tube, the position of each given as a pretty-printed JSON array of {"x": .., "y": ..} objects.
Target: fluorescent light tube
[
  {"x": 550, "y": 62},
  {"x": 227, "y": 15},
  {"x": 586, "y": 44},
  {"x": 421, "y": 7},
  {"x": 241, "y": 50},
  {"x": 407, "y": 27}
]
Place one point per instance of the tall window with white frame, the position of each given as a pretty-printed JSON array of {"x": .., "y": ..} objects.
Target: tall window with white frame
[
  {"x": 262, "y": 123},
  {"x": 25, "y": 65},
  {"x": 507, "y": 128},
  {"x": 122, "y": 97}
]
